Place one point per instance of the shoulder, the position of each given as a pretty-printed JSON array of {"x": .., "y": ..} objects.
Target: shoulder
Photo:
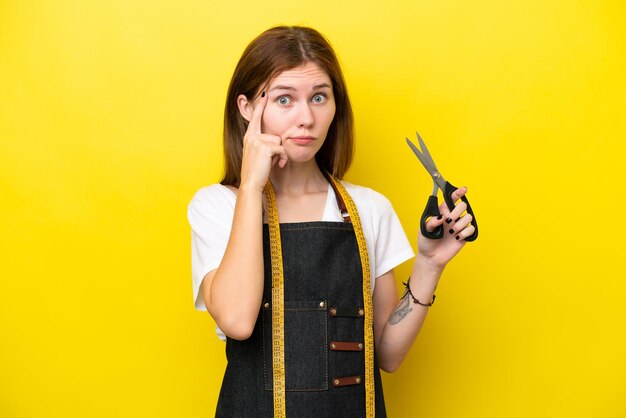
[
  {"x": 366, "y": 198},
  {"x": 387, "y": 243},
  {"x": 211, "y": 200},
  {"x": 212, "y": 194}
]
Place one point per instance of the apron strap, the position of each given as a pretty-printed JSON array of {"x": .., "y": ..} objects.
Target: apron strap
[{"x": 340, "y": 202}]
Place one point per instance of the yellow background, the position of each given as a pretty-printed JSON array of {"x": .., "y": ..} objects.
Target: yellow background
[{"x": 110, "y": 120}]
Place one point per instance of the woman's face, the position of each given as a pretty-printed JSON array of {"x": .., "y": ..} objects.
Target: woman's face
[{"x": 300, "y": 109}]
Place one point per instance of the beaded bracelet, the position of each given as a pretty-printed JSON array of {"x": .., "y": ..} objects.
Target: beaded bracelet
[{"x": 408, "y": 289}]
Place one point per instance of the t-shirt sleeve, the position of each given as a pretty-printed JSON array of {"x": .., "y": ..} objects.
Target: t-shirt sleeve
[
  {"x": 210, "y": 215},
  {"x": 392, "y": 247}
]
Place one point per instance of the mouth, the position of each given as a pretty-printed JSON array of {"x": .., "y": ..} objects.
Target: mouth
[{"x": 302, "y": 140}]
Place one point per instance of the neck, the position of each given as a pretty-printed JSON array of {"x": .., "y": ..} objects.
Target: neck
[{"x": 298, "y": 178}]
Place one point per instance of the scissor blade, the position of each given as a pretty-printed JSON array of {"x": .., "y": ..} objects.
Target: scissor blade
[
  {"x": 428, "y": 163},
  {"x": 425, "y": 160},
  {"x": 424, "y": 149}
]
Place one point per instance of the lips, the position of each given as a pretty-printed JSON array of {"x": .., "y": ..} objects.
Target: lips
[{"x": 302, "y": 140}]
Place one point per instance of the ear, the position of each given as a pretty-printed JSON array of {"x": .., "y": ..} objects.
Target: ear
[{"x": 245, "y": 107}]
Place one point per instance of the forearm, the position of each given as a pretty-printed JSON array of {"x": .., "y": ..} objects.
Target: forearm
[
  {"x": 406, "y": 320},
  {"x": 236, "y": 290}
]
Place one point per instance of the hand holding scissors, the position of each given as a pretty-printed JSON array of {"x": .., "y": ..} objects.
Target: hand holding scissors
[{"x": 432, "y": 207}]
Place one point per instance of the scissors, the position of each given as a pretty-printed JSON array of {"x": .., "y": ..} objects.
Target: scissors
[{"x": 432, "y": 207}]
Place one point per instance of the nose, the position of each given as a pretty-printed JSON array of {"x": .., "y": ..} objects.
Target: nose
[{"x": 305, "y": 116}]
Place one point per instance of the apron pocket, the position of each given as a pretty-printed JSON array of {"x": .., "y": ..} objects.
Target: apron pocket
[{"x": 306, "y": 346}]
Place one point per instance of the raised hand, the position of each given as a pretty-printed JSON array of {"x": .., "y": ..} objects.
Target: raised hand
[
  {"x": 440, "y": 251},
  {"x": 260, "y": 151}
]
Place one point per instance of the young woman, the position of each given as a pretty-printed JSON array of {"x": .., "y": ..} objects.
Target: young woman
[{"x": 295, "y": 265}]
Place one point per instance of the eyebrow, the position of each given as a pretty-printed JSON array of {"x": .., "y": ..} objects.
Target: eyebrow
[{"x": 284, "y": 87}]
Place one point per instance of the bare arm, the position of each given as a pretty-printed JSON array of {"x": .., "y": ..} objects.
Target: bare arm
[
  {"x": 233, "y": 292},
  {"x": 397, "y": 324}
]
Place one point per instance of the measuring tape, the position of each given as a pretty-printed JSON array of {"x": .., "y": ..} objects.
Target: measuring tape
[
  {"x": 278, "y": 308},
  {"x": 278, "y": 291}
]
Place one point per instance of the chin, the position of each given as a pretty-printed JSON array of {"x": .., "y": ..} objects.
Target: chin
[{"x": 300, "y": 156}]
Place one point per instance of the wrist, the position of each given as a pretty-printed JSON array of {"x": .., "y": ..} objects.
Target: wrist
[
  {"x": 252, "y": 190},
  {"x": 424, "y": 292},
  {"x": 426, "y": 266}
]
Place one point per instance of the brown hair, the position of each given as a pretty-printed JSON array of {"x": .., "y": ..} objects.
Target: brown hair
[{"x": 274, "y": 51}]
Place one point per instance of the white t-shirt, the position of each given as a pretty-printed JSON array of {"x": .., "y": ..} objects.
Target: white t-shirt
[{"x": 210, "y": 215}]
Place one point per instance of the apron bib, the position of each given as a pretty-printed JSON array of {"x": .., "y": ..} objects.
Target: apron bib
[{"x": 323, "y": 334}]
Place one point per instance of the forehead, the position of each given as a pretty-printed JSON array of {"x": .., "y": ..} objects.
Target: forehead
[{"x": 305, "y": 75}]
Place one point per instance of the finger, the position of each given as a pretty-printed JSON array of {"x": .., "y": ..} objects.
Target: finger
[
  {"x": 466, "y": 232},
  {"x": 459, "y": 225},
  {"x": 433, "y": 222},
  {"x": 459, "y": 193},
  {"x": 261, "y": 141},
  {"x": 257, "y": 114},
  {"x": 279, "y": 155},
  {"x": 443, "y": 209},
  {"x": 456, "y": 195},
  {"x": 270, "y": 139},
  {"x": 453, "y": 216},
  {"x": 283, "y": 159}
]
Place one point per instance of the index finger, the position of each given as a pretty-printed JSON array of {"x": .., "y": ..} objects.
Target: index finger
[
  {"x": 458, "y": 193},
  {"x": 257, "y": 114}
]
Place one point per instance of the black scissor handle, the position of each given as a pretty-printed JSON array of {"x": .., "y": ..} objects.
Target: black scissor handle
[
  {"x": 431, "y": 209},
  {"x": 447, "y": 195}
]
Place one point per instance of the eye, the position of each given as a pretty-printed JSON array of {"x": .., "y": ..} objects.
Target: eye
[
  {"x": 319, "y": 98},
  {"x": 283, "y": 100}
]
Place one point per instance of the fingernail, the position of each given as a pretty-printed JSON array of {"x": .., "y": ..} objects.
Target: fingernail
[
  {"x": 451, "y": 231},
  {"x": 449, "y": 220},
  {"x": 439, "y": 217},
  {"x": 457, "y": 237},
  {"x": 263, "y": 94}
]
